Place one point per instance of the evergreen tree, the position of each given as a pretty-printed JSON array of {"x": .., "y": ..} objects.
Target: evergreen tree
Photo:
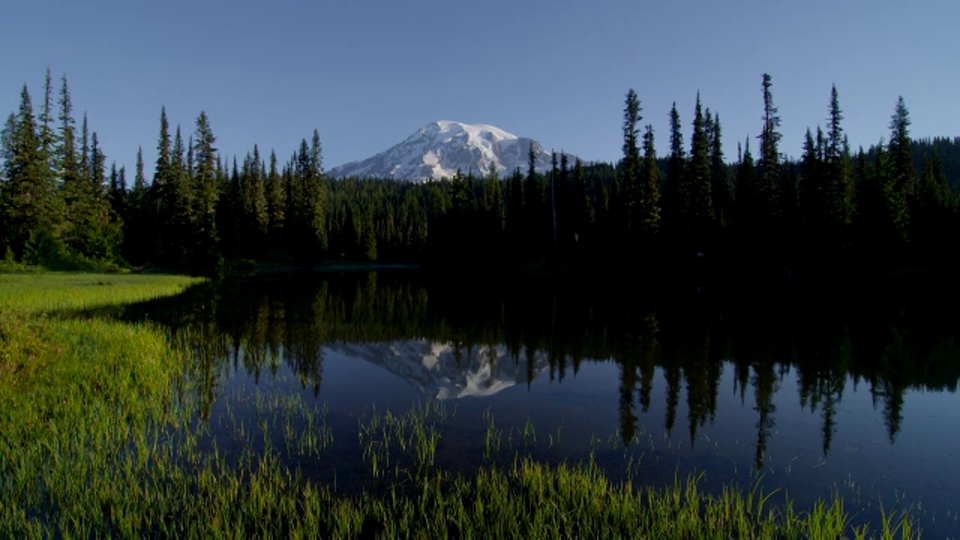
[
  {"x": 205, "y": 191},
  {"x": 161, "y": 175},
  {"x": 840, "y": 185},
  {"x": 307, "y": 199},
  {"x": 98, "y": 166},
  {"x": 85, "y": 150},
  {"x": 76, "y": 191},
  {"x": 835, "y": 133},
  {"x": 47, "y": 136},
  {"x": 177, "y": 211},
  {"x": 901, "y": 191},
  {"x": 673, "y": 186},
  {"x": 162, "y": 203},
  {"x": 650, "y": 187},
  {"x": 276, "y": 203},
  {"x": 67, "y": 163},
  {"x": 139, "y": 180},
  {"x": 769, "y": 165},
  {"x": 317, "y": 194},
  {"x": 719, "y": 182},
  {"x": 899, "y": 148},
  {"x": 100, "y": 232},
  {"x": 893, "y": 204},
  {"x": 696, "y": 197},
  {"x": 630, "y": 166},
  {"x": 255, "y": 202},
  {"x": 91, "y": 227},
  {"x": 118, "y": 191},
  {"x": 30, "y": 198}
]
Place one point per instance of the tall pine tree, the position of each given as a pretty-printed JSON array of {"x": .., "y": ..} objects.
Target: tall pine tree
[
  {"x": 840, "y": 181},
  {"x": 769, "y": 163},
  {"x": 630, "y": 166},
  {"x": 205, "y": 192},
  {"x": 697, "y": 200},
  {"x": 900, "y": 192},
  {"x": 676, "y": 170}
]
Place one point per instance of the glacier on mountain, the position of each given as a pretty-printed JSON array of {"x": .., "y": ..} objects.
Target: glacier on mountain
[{"x": 440, "y": 149}]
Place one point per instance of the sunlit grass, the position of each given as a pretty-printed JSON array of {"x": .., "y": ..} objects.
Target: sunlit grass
[{"x": 52, "y": 291}]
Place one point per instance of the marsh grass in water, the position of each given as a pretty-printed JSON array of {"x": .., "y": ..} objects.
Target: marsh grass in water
[{"x": 102, "y": 435}]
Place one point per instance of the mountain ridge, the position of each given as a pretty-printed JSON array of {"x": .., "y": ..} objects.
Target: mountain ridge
[{"x": 442, "y": 148}]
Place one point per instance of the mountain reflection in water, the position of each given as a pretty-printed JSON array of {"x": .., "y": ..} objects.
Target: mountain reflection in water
[{"x": 446, "y": 371}]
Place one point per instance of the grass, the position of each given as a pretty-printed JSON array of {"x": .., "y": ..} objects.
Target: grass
[
  {"x": 53, "y": 371},
  {"x": 99, "y": 437},
  {"x": 74, "y": 394},
  {"x": 53, "y": 291}
]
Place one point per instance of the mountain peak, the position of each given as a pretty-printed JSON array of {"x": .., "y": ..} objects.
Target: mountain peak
[
  {"x": 440, "y": 149},
  {"x": 479, "y": 131}
]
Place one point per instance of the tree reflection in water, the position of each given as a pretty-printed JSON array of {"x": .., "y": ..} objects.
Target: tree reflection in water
[{"x": 826, "y": 335}]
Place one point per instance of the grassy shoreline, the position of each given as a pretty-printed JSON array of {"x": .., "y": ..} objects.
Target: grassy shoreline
[{"x": 99, "y": 438}]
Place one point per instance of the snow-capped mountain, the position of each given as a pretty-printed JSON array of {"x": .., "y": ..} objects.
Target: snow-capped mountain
[
  {"x": 443, "y": 371},
  {"x": 441, "y": 148}
]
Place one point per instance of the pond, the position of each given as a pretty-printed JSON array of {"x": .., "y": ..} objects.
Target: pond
[{"x": 801, "y": 389}]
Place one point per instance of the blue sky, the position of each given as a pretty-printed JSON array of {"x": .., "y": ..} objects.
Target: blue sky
[{"x": 367, "y": 73}]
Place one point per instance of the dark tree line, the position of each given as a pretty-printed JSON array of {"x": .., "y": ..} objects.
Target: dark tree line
[{"x": 890, "y": 204}]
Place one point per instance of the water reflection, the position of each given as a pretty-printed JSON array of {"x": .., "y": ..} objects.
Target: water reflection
[
  {"x": 449, "y": 370},
  {"x": 474, "y": 336}
]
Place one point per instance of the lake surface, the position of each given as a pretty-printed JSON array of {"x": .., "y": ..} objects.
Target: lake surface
[{"x": 807, "y": 388}]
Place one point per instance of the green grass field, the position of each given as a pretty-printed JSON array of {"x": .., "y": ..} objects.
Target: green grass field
[{"x": 52, "y": 291}]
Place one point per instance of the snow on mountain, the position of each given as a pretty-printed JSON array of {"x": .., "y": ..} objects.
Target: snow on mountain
[
  {"x": 441, "y": 148},
  {"x": 445, "y": 372}
]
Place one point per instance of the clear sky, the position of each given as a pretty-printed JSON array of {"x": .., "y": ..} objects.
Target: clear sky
[{"x": 368, "y": 73}]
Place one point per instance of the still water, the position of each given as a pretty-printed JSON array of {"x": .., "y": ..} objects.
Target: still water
[{"x": 809, "y": 388}]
